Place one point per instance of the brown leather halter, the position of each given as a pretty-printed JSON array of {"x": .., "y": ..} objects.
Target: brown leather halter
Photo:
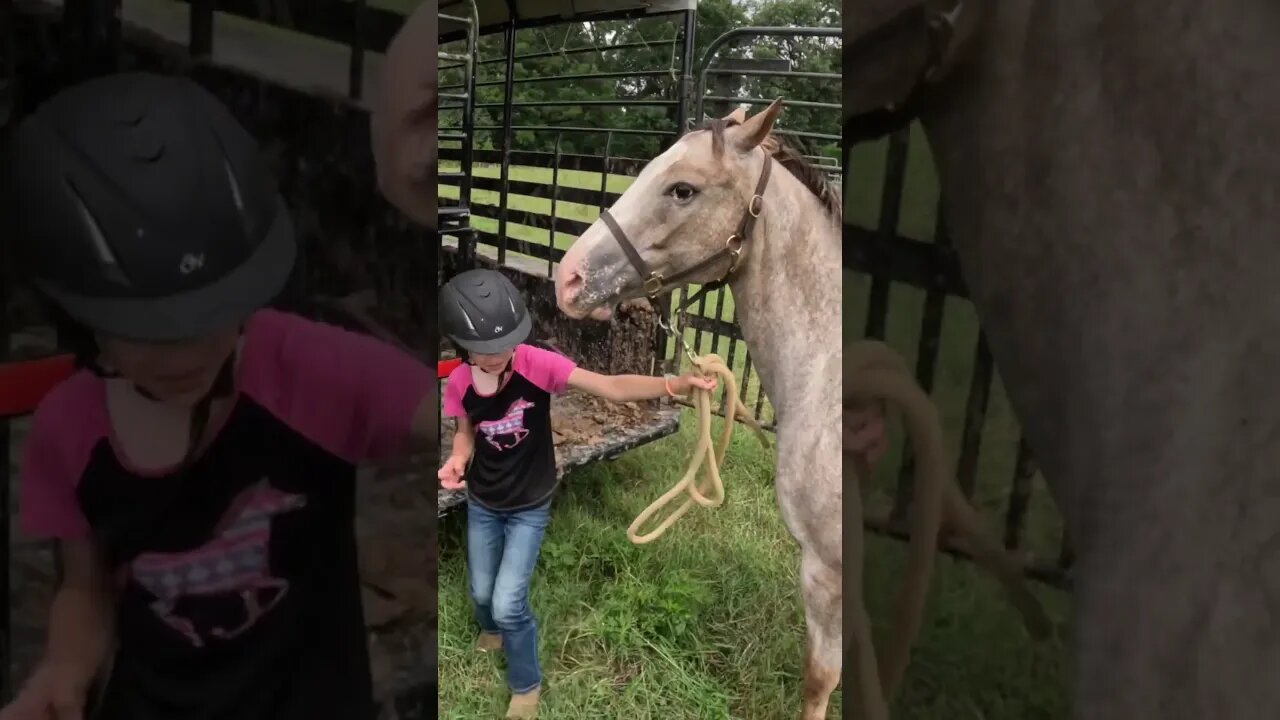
[
  {"x": 655, "y": 284},
  {"x": 950, "y": 26}
]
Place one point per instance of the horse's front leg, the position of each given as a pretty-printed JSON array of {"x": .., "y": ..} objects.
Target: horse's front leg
[
  {"x": 867, "y": 698},
  {"x": 820, "y": 584},
  {"x": 164, "y": 608},
  {"x": 253, "y": 607},
  {"x": 809, "y": 498}
]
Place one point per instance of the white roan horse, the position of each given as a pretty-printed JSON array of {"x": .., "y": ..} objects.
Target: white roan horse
[{"x": 733, "y": 202}]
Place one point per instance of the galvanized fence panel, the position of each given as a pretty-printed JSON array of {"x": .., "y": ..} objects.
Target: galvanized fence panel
[
  {"x": 551, "y": 212},
  {"x": 354, "y": 23},
  {"x": 492, "y": 142},
  {"x": 456, "y": 76},
  {"x": 710, "y": 326},
  {"x": 890, "y": 262}
]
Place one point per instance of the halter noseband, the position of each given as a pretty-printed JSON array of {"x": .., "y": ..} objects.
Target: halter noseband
[{"x": 655, "y": 283}]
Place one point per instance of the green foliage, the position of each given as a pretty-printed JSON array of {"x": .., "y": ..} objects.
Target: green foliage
[
  {"x": 639, "y": 612},
  {"x": 648, "y": 71},
  {"x": 707, "y": 622}
]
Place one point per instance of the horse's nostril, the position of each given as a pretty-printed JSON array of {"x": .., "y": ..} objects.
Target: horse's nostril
[{"x": 573, "y": 283}]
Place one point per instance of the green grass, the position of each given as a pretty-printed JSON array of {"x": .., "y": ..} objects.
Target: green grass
[
  {"x": 734, "y": 650},
  {"x": 542, "y": 206},
  {"x": 706, "y": 622}
]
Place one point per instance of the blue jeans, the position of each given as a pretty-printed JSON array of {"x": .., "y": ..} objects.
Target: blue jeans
[{"x": 502, "y": 550}]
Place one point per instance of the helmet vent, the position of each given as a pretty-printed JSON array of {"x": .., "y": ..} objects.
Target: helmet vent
[
  {"x": 110, "y": 265},
  {"x": 235, "y": 186},
  {"x": 467, "y": 317}
]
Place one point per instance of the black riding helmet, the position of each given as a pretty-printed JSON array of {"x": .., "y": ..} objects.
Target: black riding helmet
[
  {"x": 144, "y": 210},
  {"x": 482, "y": 312}
]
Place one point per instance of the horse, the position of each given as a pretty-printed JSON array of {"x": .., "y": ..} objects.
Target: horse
[
  {"x": 713, "y": 209},
  {"x": 1110, "y": 174}
]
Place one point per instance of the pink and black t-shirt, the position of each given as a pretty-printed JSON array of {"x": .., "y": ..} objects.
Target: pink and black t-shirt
[
  {"x": 240, "y": 592},
  {"x": 514, "y": 466}
]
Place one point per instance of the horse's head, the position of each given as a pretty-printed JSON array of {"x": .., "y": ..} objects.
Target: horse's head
[{"x": 684, "y": 210}]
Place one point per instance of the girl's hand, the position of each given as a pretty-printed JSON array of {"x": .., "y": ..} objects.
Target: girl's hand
[
  {"x": 685, "y": 384},
  {"x": 864, "y": 432},
  {"x": 450, "y": 477},
  {"x": 55, "y": 691}
]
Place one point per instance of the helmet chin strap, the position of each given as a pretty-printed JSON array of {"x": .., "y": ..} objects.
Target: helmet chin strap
[
  {"x": 502, "y": 376},
  {"x": 223, "y": 383},
  {"x": 223, "y": 386}
]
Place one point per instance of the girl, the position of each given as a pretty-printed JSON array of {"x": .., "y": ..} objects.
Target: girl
[
  {"x": 504, "y": 449},
  {"x": 198, "y": 473}
]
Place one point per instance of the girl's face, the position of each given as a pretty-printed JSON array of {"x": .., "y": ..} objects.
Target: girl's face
[
  {"x": 179, "y": 372},
  {"x": 492, "y": 363}
]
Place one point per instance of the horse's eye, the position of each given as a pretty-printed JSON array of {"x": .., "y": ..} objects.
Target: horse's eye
[{"x": 682, "y": 192}]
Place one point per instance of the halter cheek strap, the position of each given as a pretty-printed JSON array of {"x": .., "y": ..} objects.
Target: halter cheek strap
[{"x": 655, "y": 283}]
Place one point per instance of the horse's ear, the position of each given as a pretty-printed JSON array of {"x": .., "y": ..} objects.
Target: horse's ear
[
  {"x": 757, "y": 127},
  {"x": 737, "y": 117}
]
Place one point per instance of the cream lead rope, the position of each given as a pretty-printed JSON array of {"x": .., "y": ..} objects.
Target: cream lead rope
[{"x": 710, "y": 492}]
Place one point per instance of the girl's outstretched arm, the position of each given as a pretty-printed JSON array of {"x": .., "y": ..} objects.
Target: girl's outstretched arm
[
  {"x": 80, "y": 634},
  {"x": 464, "y": 440},
  {"x": 626, "y": 388},
  {"x": 81, "y": 618}
]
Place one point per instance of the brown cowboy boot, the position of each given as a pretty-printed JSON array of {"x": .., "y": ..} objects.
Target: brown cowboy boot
[
  {"x": 524, "y": 706},
  {"x": 488, "y": 641}
]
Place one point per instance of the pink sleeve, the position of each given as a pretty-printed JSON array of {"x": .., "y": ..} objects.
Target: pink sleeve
[
  {"x": 454, "y": 390},
  {"x": 54, "y": 456},
  {"x": 544, "y": 368},
  {"x": 352, "y": 394}
]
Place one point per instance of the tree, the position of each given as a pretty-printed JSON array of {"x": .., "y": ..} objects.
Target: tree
[{"x": 642, "y": 62}]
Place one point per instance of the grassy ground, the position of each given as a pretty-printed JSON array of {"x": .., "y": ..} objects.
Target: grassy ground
[{"x": 707, "y": 623}]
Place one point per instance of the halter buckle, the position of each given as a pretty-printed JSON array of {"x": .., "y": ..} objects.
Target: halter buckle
[
  {"x": 732, "y": 246},
  {"x": 756, "y": 206},
  {"x": 653, "y": 284}
]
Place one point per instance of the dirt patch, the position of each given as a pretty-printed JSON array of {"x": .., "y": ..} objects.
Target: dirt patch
[
  {"x": 396, "y": 535},
  {"x": 581, "y": 419}
]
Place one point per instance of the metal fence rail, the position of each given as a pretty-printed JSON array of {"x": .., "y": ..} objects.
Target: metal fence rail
[
  {"x": 710, "y": 326},
  {"x": 889, "y": 258},
  {"x": 458, "y": 58},
  {"x": 543, "y": 234},
  {"x": 351, "y": 22},
  {"x": 459, "y": 143}
]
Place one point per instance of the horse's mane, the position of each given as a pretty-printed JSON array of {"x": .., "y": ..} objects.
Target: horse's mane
[{"x": 794, "y": 161}]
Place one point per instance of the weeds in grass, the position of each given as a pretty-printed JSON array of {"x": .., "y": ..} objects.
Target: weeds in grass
[{"x": 707, "y": 624}]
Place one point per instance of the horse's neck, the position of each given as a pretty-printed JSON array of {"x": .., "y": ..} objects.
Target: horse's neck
[{"x": 787, "y": 295}]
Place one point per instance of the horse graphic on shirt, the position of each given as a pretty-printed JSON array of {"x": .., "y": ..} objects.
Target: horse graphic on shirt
[
  {"x": 512, "y": 423},
  {"x": 235, "y": 562}
]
